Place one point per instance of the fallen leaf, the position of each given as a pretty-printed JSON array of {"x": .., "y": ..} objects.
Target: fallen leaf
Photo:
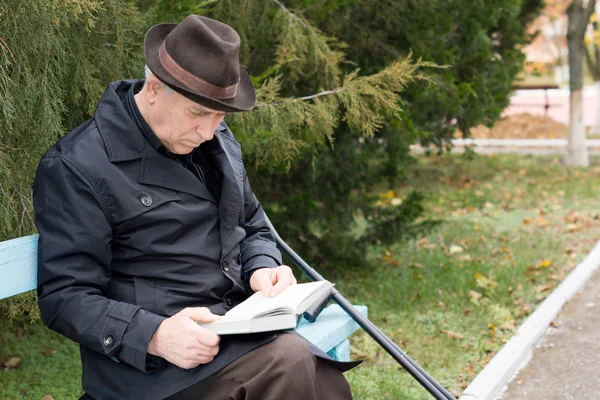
[
  {"x": 455, "y": 249},
  {"x": 572, "y": 217},
  {"x": 572, "y": 227},
  {"x": 47, "y": 397},
  {"x": 543, "y": 288},
  {"x": 508, "y": 326},
  {"x": 544, "y": 264},
  {"x": 527, "y": 221},
  {"x": 12, "y": 362},
  {"x": 475, "y": 295},
  {"x": 454, "y": 335},
  {"x": 540, "y": 221}
]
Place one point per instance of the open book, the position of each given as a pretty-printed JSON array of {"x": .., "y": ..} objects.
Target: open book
[{"x": 259, "y": 313}]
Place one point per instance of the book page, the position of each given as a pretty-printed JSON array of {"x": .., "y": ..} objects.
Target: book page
[{"x": 285, "y": 302}]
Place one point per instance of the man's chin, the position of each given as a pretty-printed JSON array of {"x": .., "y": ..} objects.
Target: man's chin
[{"x": 182, "y": 150}]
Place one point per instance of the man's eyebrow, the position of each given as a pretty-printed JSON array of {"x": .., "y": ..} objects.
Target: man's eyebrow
[{"x": 199, "y": 110}]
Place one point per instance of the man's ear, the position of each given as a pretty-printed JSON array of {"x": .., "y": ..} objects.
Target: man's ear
[{"x": 154, "y": 88}]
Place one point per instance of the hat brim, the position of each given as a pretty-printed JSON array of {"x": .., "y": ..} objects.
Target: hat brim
[{"x": 244, "y": 100}]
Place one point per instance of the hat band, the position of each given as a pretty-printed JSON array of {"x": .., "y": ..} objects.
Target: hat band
[{"x": 196, "y": 85}]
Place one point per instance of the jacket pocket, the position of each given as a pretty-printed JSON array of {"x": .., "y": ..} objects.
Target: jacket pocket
[{"x": 142, "y": 201}]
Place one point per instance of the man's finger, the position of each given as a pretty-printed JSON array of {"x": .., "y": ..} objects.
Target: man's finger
[
  {"x": 199, "y": 314},
  {"x": 265, "y": 283},
  {"x": 207, "y": 338},
  {"x": 284, "y": 281}
]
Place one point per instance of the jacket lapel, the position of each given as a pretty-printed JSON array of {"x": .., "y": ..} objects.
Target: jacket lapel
[
  {"x": 160, "y": 170},
  {"x": 228, "y": 158}
]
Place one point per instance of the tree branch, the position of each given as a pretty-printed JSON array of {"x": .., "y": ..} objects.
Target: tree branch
[
  {"x": 591, "y": 5},
  {"x": 299, "y": 20},
  {"x": 305, "y": 98},
  {"x": 8, "y": 48}
]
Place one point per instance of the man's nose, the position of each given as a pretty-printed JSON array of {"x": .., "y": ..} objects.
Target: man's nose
[{"x": 208, "y": 133}]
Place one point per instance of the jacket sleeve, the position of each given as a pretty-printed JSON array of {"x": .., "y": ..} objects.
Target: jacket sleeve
[
  {"x": 259, "y": 248},
  {"x": 74, "y": 257}
]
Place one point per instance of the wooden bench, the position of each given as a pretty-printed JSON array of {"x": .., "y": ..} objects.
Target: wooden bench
[{"x": 18, "y": 274}]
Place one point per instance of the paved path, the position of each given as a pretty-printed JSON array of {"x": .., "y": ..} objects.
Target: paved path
[{"x": 566, "y": 364}]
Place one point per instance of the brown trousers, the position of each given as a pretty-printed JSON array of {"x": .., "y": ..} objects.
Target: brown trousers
[{"x": 284, "y": 368}]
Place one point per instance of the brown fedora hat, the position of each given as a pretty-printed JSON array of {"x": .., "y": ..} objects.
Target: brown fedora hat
[{"x": 199, "y": 58}]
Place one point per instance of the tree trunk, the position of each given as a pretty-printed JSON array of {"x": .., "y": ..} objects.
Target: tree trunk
[
  {"x": 579, "y": 16},
  {"x": 597, "y": 125}
]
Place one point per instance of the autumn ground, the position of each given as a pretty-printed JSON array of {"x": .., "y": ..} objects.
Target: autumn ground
[{"x": 513, "y": 227}]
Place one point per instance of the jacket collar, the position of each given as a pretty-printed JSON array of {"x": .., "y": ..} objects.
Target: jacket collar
[{"x": 121, "y": 135}]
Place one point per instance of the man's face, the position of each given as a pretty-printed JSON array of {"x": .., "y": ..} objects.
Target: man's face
[{"x": 181, "y": 124}]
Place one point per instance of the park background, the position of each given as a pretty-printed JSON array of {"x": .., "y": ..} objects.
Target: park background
[{"x": 359, "y": 104}]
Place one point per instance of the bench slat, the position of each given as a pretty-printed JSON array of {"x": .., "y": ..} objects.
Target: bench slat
[
  {"x": 18, "y": 265},
  {"x": 341, "y": 352},
  {"x": 331, "y": 328}
]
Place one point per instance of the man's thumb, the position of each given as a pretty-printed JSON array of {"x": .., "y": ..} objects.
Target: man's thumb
[{"x": 200, "y": 314}]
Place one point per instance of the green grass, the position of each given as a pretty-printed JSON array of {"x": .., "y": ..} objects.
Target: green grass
[
  {"x": 513, "y": 217},
  {"x": 509, "y": 214}
]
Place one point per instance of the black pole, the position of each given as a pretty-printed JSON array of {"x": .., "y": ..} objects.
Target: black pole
[{"x": 430, "y": 384}]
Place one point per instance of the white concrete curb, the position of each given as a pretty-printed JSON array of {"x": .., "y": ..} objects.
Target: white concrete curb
[
  {"x": 488, "y": 384},
  {"x": 520, "y": 142}
]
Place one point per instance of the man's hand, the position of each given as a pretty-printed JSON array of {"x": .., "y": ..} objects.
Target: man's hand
[
  {"x": 184, "y": 343},
  {"x": 272, "y": 281}
]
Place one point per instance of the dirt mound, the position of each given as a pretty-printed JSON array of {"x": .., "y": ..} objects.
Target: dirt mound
[{"x": 520, "y": 126}]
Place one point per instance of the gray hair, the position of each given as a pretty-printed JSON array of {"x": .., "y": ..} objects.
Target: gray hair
[{"x": 148, "y": 73}]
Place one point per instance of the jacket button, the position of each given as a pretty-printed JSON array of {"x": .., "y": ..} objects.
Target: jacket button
[
  {"x": 108, "y": 340},
  {"x": 228, "y": 301},
  {"x": 225, "y": 266},
  {"x": 146, "y": 200}
]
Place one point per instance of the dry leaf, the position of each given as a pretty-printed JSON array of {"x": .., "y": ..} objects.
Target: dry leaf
[
  {"x": 422, "y": 242},
  {"x": 12, "y": 362},
  {"x": 543, "y": 288},
  {"x": 571, "y": 217},
  {"x": 544, "y": 264},
  {"x": 454, "y": 335},
  {"x": 508, "y": 326},
  {"x": 572, "y": 227},
  {"x": 47, "y": 397},
  {"x": 527, "y": 221},
  {"x": 455, "y": 249},
  {"x": 475, "y": 295},
  {"x": 542, "y": 221}
]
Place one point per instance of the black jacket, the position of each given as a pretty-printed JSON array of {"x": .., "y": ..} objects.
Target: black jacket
[{"x": 129, "y": 237}]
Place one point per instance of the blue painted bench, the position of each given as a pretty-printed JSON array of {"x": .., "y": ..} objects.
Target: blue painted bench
[{"x": 18, "y": 274}]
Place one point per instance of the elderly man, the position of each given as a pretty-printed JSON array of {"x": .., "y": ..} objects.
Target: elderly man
[{"x": 148, "y": 225}]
